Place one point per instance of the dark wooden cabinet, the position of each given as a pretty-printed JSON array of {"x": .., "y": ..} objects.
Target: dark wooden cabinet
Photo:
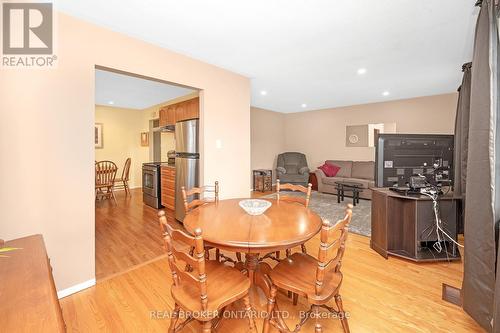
[
  {"x": 404, "y": 226},
  {"x": 263, "y": 180},
  {"x": 168, "y": 187}
]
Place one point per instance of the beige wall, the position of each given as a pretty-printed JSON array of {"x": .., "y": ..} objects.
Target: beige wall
[
  {"x": 121, "y": 139},
  {"x": 267, "y": 138},
  {"x": 321, "y": 134},
  {"x": 46, "y": 137}
]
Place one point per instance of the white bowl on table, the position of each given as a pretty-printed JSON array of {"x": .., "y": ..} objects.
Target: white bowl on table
[{"x": 254, "y": 206}]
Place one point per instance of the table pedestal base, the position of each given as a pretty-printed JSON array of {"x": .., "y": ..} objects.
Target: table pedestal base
[{"x": 257, "y": 272}]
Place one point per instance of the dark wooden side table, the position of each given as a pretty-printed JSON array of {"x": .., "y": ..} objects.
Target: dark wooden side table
[
  {"x": 313, "y": 180},
  {"x": 262, "y": 180}
]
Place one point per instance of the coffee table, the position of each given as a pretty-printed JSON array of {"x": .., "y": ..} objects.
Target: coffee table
[{"x": 343, "y": 186}]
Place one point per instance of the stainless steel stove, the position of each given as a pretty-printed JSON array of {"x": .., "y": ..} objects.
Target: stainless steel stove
[{"x": 151, "y": 184}]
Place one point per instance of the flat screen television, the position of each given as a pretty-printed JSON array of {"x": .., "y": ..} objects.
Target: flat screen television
[{"x": 400, "y": 156}]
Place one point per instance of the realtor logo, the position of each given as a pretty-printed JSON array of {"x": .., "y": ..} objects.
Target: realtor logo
[{"x": 27, "y": 30}]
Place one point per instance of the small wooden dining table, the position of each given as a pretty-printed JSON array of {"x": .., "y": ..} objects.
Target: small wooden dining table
[{"x": 225, "y": 225}]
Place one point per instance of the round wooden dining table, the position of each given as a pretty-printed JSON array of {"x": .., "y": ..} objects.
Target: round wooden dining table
[{"x": 225, "y": 225}]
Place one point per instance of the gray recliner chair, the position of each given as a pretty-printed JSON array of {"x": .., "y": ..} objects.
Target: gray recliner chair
[{"x": 292, "y": 168}]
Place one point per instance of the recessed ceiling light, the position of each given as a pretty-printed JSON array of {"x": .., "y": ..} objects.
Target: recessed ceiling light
[
  {"x": 263, "y": 92},
  {"x": 385, "y": 93},
  {"x": 304, "y": 105},
  {"x": 111, "y": 102},
  {"x": 361, "y": 71}
]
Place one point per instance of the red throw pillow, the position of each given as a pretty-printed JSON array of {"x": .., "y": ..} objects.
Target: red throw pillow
[{"x": 330, "y": 170}]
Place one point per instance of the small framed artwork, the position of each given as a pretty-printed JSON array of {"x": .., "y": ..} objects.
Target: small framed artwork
[
  {"x": 145, "y": 139},
  {"x": 98, "y": 135}
]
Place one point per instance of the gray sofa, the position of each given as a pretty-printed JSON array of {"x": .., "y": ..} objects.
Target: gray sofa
[
  {"x": 359, "y": 172},
  {"x": 292, "y": 168}
]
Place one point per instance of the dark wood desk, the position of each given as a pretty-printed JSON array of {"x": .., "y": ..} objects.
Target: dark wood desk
[
  {"x": 29, "y": 299},
  {"x": 403, "y": 225}
]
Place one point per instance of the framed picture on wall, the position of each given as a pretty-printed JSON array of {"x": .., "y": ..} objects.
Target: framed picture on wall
[
  {"x": 98, "y": 135},
  {"x": 144, "y": 139}
]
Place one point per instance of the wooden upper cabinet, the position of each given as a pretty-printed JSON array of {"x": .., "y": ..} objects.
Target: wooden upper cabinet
[
  {"x": 179, "y": 111},
  {"x": 171, "y": 114},
  {"x": 163, "y": 116},
  {"x": 192, "y": 109}
]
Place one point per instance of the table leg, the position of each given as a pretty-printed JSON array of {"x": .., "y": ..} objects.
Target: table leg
[
  {"x": 338, "y": 194},
  {"x": 354, "y": 192},
  {"x": 251, "y": 262},
  {"x": 257, "y": 272}
]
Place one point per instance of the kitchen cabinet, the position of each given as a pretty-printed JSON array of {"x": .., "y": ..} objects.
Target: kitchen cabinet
[
  {"x": 167, "y": 115},
  {"x": 163, "y": 116},
  {"x": 171, "y": 116},
  {"x": 168, "y": 186},
  {"x": 192, "y": 109},
  {"x": 186, "y": 110}
]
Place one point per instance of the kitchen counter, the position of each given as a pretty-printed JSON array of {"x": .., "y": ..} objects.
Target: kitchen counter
[{"x": 167, "y": 165}]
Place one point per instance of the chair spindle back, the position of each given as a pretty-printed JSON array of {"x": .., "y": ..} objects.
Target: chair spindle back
[
  {"x": 105, "y": 173},
  {"x": 331, "y": 252},
  {"x": 199, "y": 195},
  {"x": 196, "y": 261},
  {"x": 126, "y": 169},
  {"x": 294, "y": 188}
]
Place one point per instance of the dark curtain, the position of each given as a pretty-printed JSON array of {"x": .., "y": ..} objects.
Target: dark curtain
[
  {"x": 462, "y": 141},
  {"x": 481, "y": 201},
  {"x": 462, "y": 132}
]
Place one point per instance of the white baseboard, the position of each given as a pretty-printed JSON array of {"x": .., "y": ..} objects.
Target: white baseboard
[
  {"x": 122, "y": 189},
  {"x": 76, "y": 288}
]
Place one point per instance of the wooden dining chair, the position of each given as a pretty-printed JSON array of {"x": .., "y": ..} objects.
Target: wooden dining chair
[
  {"x": 297, "y": 199},
  {"x": 198, "y": 196},
  {"x": 198, "y": 292},
  {"x": 122, "y": 182},
  {"x": 171, "y": 222},
  {"x": 105, "y": 173},
  {"x": 318, "y": 280}
]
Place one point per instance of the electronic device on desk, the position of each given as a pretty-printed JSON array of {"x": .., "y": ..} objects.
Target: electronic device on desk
[
  {"x": 417, "y": 182},
  {"x": 398, "y": 157}
]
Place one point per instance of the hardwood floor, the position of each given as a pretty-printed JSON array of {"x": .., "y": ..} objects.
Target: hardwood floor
[
  {"x": 127, "y": 234},
  {"x": 381, "y": 295}
]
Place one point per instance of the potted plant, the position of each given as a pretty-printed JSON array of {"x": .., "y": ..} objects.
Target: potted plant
[{"x": 5, "y": 249}]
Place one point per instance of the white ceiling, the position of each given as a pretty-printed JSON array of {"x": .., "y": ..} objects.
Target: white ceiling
[
  {"x": 304, "y": 51},
  {"x": 124, "y": 91}
]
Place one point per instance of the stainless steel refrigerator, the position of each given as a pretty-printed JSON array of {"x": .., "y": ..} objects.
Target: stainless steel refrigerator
[{"x": 187, "y": 160}]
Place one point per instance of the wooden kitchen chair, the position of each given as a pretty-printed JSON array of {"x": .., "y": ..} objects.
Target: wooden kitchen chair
[
  {"x": 105, "y": 173},
  {"x": 318, "y": 280},
  {"x": 297, "y": 199},
  {"x": 198, "y": 292},
  {"x": 122, "y": 182},
  {"x": 201, "y": 196}
]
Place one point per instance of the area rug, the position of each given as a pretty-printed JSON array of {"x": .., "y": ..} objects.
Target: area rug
[{"x": 326, "y": 206}]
